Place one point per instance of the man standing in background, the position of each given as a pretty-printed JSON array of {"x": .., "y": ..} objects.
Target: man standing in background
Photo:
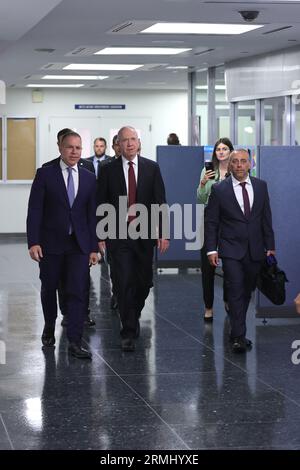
[{"x": 99, "y": 155}]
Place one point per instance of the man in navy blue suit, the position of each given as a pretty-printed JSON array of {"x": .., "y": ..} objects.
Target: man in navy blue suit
[
  {"x": 238, "y": 229},
  {"x": 83, "y": 163},
  {"x": 61, "y": 232}
]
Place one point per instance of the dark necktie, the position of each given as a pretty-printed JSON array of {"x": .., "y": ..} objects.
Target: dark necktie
[
  {"x": 131, "y": 191},
  {"x": 98, "y": 169},
  {"x": 247, "y": 209},
  {"x": 71, "y": 192}
]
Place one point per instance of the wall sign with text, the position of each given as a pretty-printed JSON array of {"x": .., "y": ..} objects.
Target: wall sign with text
[{"x": 99, "y": 106}]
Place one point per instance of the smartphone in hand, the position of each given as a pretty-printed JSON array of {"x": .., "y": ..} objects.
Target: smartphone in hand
[{"x": 209, "y": 167}]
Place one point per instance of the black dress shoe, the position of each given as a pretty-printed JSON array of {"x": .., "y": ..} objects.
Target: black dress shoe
[
  {"x": 248, "y": 342},
  {"x": 89, "y": 322},
  {"x": 77, "y": 351},
  {"x": 128, "y": 344},
  {"x": 48, "y": 338},
  {"x": 113, "y": 302},
  {"x": 241, "y": 344}
]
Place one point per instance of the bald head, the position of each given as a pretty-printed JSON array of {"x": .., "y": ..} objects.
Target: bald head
[
  {"x": 239, "y": 164},
  {"x": 129, "y": 142}
]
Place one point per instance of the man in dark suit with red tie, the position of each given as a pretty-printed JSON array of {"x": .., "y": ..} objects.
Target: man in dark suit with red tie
[
  {"x": 137, "y": 180},
  {"x": 238, "y": 229},
  {"x": 61, "y": 232}
]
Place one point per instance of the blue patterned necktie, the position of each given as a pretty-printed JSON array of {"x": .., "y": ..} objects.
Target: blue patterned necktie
[
  {"x": 71, "y": 192},
  {"x": 70, "y": 186}
]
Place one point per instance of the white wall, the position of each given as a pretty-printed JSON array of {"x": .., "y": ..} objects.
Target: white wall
[{"x": 167, "y": 111}]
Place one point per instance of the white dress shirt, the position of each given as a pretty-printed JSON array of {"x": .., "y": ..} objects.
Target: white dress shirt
[
  {"x": 126, "y": 168},
  {"x": 238, "y": 191},
  {"x": 95, "y": 162},
  {"x": 65, "y": 173}
]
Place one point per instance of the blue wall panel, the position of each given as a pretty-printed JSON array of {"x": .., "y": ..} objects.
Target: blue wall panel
[
  {"x": 280, "y": 168},
  {"x": 181, "y": 168}
]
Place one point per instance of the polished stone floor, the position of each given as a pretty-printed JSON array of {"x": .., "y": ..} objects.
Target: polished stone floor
[{"x": 183, "y": 388}]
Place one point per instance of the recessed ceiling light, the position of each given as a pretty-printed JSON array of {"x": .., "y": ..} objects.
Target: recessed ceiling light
[
  {"x": 102, "y": 66},
  {"x": 177, "y": 67},
  {"x": 141, "y": 51},
  {"x": 74, "y": 77},
  {"x": 51, "y": 85},
  {"x": 199, "y": 28}
]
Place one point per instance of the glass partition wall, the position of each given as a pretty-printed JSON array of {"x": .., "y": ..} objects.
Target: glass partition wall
[{"x": 249, "y": 122}]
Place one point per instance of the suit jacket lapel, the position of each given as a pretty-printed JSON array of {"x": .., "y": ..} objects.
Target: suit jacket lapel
[
  {"x": 120, "y": 176},
  {"x": 80, "y": 185},
  {"x": 255, "y": 195},
  {"x": 141, "y": 178},
  {"x": 61, "y": 183},
  {"x": 236, "y": 204}
]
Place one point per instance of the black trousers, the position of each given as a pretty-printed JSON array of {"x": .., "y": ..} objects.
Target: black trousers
[
  {"x": 240, "y": 279},
  {"x": 132, "y": 262},
  {"x": 208, "y": 280},
  {"x": 75, "y": 267},
  {"x": 62, "y": 295}
]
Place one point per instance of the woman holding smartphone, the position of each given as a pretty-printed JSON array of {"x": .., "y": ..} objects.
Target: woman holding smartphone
[{"x": 212, "y": 173}]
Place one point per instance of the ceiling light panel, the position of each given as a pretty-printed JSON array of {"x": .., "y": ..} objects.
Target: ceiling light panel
[
  {"x": 51, "y": 85},
  {"x": 141, "y": 51},
  {"x": 102, "y": 66},
  {"x": 199, "y": 28},
  {"x": 74, "y": 77}
]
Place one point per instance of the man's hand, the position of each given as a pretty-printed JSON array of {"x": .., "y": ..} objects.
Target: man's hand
[
  {"x": 162, "y": 245},
  {"x": 213, "y": 259},
  {"x": 102, "y": 248},
  {"x": 94, "y": 258},
  {"x": 36, "y": 253},
  {"x": 271, "y": 252}
]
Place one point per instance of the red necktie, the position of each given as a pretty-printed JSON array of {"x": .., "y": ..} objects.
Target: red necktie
[
  {"x": 247, "y": 209},
  {"x": 131, "y": 191}
]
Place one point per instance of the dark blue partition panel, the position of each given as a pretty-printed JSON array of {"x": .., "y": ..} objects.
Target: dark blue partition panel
[
  {"x": 280, "y": 168},
  {"x": 181, "y": 168}
]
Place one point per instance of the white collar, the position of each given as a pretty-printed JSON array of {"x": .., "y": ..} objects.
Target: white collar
[
  {"x": 64, "y": 166},
  {"x": 235, "y": 182},
  {"x": 134, "y": 161}
]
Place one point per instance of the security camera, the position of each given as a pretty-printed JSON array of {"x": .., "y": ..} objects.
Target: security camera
[{"x": 249, "y": 15}]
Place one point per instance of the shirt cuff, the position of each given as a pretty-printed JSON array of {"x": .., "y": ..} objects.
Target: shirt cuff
[{"x": 211, "y": 253}]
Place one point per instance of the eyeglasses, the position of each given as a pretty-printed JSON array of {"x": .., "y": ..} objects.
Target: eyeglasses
[{"x": 243, "y": 161}]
